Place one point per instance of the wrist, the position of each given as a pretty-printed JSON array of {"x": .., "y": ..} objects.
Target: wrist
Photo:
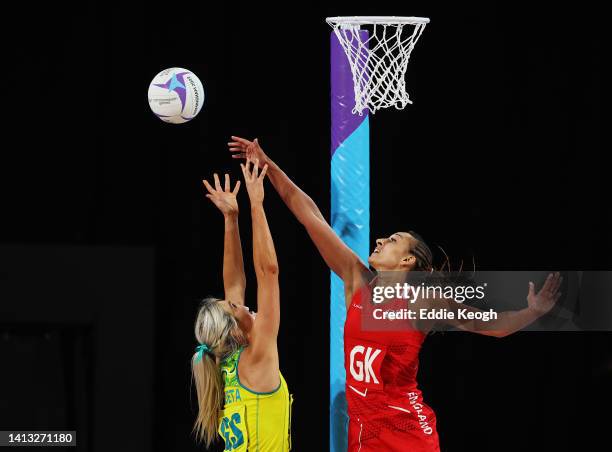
[
  {"x": 255, "y": 205},
  {"x": 231, "y": 216},
  {"x": 532, "y": 312},
  {"x": 271, "y": 165}
]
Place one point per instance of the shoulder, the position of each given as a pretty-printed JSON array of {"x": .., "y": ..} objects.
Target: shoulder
[
  {"x": 360, "y": 280},
  {"x": 258, "y": 372}
]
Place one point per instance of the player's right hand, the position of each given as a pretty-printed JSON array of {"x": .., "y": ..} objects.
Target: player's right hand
[{"x": 223, "y": 198}]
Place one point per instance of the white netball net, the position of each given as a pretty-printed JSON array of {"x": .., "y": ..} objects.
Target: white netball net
[{"x": 379, "y": 62}]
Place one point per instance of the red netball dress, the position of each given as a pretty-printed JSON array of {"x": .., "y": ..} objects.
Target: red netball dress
[{"x": 385, "y": 406}]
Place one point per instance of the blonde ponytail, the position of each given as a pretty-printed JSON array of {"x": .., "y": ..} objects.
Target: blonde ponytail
[
  {"x": 218, "y": 334},
  {"x": 209, "y": 388}
]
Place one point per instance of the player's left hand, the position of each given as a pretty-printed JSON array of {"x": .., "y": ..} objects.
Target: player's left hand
[
  {"x": 543, "y": 301},
  {"x": 254, "y": 180}
]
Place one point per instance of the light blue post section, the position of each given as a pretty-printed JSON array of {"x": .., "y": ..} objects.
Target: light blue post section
[{"x": 350, "y": 218}]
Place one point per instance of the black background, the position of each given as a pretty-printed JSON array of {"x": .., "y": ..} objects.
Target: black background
[{"x": 499, "y": 157}]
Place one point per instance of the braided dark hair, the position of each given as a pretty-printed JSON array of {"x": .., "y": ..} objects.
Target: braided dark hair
[{"x": 422, "y": 253}]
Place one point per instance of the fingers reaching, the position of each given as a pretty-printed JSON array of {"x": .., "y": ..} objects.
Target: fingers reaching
[
  {"x": 235, "y": 147},
  {"x": 547, "y": 296},
  {"x": 550, "y": 289},
  {"x": 558, "y": 283},
  {"x": 263, "y": 171},
  {"x": 546, "y": 284},
  {"x": 223, "y": 198},
  {"x": 251, "y": 170},
  {"x": 255, "y": 172},
  {"x": 242, "y": 148},
  {"x": 555, "y": 283},
  {"x": 226, "y": 189},
  {"x": 241, "y": 141},
  {"x": 549, "y": 283},
  {"x": 246, "y": 170},
  {"x": 239, "y": 144},
  {"x": 208, "y": 187}
]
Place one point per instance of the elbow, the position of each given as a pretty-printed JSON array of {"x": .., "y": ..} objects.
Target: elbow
[
  {"x": 314, "y": 209},
  {"x": 312, "y": 220},
  {"x": 272, "y": 269},
  {"x": 500, "y": 334},
  {"x": 304, "y": 208},
  {"x": 268, "y": 270}
]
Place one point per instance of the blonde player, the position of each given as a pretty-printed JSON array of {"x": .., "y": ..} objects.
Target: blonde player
[{"x": 241, "y": 393}]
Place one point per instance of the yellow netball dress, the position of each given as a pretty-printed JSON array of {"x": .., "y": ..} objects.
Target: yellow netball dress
[{"x": 254, "y": 421}]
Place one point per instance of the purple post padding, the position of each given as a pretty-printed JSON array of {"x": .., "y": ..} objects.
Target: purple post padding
[
  {"x": 350, "y": 218},
  {"x": 344, "y": 122}
]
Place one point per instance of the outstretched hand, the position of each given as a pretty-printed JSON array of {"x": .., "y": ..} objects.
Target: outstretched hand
[
  {"x": 223, "y": 198},
  {"x": 245, "y": 149},
  {"x": 547, "y": 296},
  {"x": 254, "y": 180}
]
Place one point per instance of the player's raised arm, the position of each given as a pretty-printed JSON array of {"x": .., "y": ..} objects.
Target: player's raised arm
[
  {"x": 507, "y": 322},
  {"x": 339, "y": 257},
  {"x": 265, "y": 329},
  {"x": 234, "y": 280}
]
